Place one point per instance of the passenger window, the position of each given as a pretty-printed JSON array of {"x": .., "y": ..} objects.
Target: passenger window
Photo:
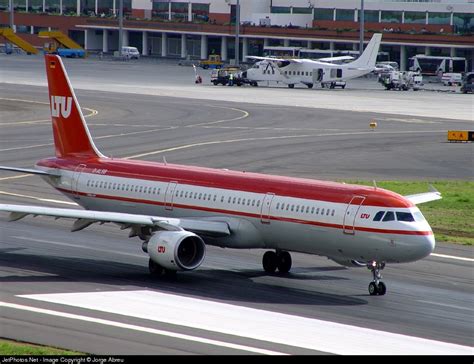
[
  {"x": 327, "y": 212},
  {"x": 233, "y": 200},
  {"x": 258, "y": 203},
  {"x": 222, "y": 199},
  {"x": 333, "y": 212},
  {"x": 317, "y": 211},
  {"x": 378, "y": 215},
  {"x": 322, "y": 211},
  {"x": 292, "y": 207},
  {"x": 405, "y": 216},
  {"x": 389, "y": 216},
  {"x": 312, "y": 210},
  {"x": 238, "y": 201},
  {"x": 278, "y": 206}
]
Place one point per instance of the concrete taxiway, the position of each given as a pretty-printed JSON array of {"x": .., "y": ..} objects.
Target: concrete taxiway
[{"x": 57, "y": 286}]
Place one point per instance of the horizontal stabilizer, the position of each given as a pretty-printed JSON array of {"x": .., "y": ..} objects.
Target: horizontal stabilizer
[{"x": 28, "y": 171}]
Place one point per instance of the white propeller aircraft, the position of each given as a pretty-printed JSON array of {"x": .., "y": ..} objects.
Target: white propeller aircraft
[
  {"x": 310, "y": 72},
  {"x": 176, "y": 210}
]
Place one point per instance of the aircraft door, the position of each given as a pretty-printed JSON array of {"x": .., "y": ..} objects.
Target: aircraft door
[
  {"x": 169, "y": 195},
  {"x": 318, "y": 74},
  {"x": 266, "y": 206},
  {"x": 351, "y": 213},
  {"x": 75, "y": 180}
]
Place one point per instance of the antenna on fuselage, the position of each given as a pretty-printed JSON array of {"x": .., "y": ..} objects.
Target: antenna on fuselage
[
  {"x": 164, "y": 160},
  {"x": 375, "y": 184}
]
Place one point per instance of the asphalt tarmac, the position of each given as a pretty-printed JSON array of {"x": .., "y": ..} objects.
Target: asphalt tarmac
[{"x": 431, "y": 299}]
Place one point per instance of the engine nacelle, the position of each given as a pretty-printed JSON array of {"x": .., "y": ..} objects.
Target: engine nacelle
[{"x": 176, "y": 250}]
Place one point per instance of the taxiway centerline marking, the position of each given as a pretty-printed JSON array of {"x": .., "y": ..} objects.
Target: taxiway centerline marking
[
  {"x": 38, "y": 198},
  {"x": 446, "y": 305},
  {"x": 139, "y": 328},
  {"x": 15, "y": 177},
  {"x": 452, "y": 257}
]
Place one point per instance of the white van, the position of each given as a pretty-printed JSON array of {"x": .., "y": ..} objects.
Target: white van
[
  {"x": 130, "y": 52},
  {"x": 449, "y": 79}
]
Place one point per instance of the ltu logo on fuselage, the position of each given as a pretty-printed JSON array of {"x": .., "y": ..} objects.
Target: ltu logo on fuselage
[{"x": 61, "y": 105}]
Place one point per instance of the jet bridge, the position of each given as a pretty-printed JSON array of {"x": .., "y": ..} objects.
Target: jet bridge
[{"x": 11, "y": 37}]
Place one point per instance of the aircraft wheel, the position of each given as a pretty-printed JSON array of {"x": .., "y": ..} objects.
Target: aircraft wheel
[
  {"x": 373, "y": 289},
  {"x": 382, "y": 289},
  {"x": 291, "y": 85},
  {"x": 310, "y": 85},
  {"x": 270, "y": 262},
  {"x": 155, "y": 269},
  {"x": 284, "y": 262}
]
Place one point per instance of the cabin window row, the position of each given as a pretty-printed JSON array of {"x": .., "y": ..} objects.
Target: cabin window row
[
  {"x": 209, "y": 197},
  {"x": 123, "y": 187},
  {"x": 297, "y": 73},
  {"x": 305, "y": 209}
]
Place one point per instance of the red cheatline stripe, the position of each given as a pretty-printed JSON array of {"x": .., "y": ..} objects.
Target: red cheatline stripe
[{"x": 257, "y": 216}]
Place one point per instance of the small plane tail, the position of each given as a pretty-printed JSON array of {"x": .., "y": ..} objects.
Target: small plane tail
[
  {"x": 71, "y": 135},
  {"x": 369, "y": 56}
]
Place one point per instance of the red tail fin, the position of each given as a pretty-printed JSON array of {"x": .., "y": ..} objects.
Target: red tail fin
[{"x": 71, "y": 135}]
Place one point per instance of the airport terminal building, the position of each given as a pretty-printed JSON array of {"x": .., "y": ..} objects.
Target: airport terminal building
[{"x": 194, "y": 29}]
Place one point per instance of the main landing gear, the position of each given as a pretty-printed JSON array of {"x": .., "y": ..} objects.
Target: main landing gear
[
  {"x": 157, "y": 271},
  {"x": 376, "y": 287},
  {"x": 279, "y": 259}
]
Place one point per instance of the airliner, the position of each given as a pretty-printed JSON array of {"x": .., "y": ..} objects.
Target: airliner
[
  {"x": 177, "y": 210},
  {"x": 310, "y": 72}
]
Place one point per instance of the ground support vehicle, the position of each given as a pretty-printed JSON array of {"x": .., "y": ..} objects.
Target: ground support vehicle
[
  {"x": 468, "y": 83},
  {"x": 214, "y": 61},
  {"x": 334, "y": 84},
  {"x": 401, "y": 80}
]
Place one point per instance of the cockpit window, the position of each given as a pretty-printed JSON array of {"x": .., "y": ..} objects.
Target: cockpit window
[
  {"x": 419, "y": 216},
  {"x": 378, "y": 215},
  {"x": 405, "y": 216},
  {"x": 389, "y": 216}
]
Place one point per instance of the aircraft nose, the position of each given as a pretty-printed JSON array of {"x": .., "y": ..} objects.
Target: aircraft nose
[{"x": 426, "y": 246}]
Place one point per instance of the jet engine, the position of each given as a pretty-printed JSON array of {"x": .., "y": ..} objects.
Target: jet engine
[{"x": 176, "y": 250}]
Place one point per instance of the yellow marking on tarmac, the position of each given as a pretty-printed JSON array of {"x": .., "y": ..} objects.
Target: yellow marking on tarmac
[
  {"x": 38, "y": 198},
  {"x": 92, "y": 112},
  {"x": 187, "y": 146},
  {"x": 245, "y": 114},
  {"x": 15, "y": 177}
]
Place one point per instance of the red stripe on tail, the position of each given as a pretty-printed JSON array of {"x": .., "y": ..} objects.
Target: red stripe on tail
[{"x": 71, "y": 135}]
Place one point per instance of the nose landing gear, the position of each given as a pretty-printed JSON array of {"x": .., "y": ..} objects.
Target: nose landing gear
[{"x": 376, "y": 287}]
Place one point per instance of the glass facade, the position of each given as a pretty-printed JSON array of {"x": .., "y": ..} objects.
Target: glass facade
[
  {"x": 371, "y": 16},
  {"x": 104, "y": 7},
  {"x": 160, "y": 10},
  {"x": 323, "y": 14},
  {"x": 439, "y": 18},
  {"x": 35, "y": 6},
  {"x": 297, "y": 10},
  {"x": 463, "y": 23},
  {"x": 127, "y": 7},
  {"x": 179, "y": 11},
  {"x": 87, "y": 7},
  {"x": 3, "y": 4},
  {"x": 19, "y": 5},
  {"x": 200, "y": 12},
  {"x": 391, "y": 16},
  {"x": 69, "y": 7},
  {"x": 415, "y": 17},
  {"x": 345, "y": 14},
  {"x": 52, "y": 6},
  {"x": 281, "y": 9}
]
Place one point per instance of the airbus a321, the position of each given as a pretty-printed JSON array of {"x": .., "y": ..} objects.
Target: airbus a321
[
  {"x": 176, "y": 210},
  {"x": 310, "y": 72}
]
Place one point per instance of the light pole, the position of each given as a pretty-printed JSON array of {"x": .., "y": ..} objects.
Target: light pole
[
  {"x": 10, "y": 4},
  {"x": 120, "y": 26},
  {"x": 361, "y": 27},
  {"x": 237, "y": 31}
]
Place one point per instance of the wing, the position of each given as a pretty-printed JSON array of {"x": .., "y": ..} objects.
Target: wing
[
  {"x": 84, "y": 218},
  {"x": 275, "y": 60},
  {"x": 336, "y": 59},
  {"x": 418, "y": 198}
]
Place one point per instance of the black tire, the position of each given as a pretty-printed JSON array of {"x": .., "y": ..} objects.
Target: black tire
[
  {"x": 291, "y": 85},
  {"x": 382, "y": 289},
  {"x": 310, "y": 85},
  {"x": 215, "y": 83},
  {"x": 373, "y": 291},
  {"x": 270, "y": 262},
  {"x": 343, "y": 87},
  {"x": 205, "y": 66},
  {"x": 255, "y": 84},
  {"x": 155, "y": 269},
  {"x": 284, "y": 262}
]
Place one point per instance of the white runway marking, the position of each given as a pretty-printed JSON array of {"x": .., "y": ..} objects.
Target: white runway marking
[
  {"x": 255, "y": 324},
  {"x": 139, "y": 328},
  {"x": 452, "y": 257},
  {"x": 16, "y": 177},
  {"x": 446, "y": 305},
  {"x": 38, "y": 198}
]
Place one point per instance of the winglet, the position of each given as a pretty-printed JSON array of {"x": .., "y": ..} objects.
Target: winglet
[{"x": 418, "y": 198}]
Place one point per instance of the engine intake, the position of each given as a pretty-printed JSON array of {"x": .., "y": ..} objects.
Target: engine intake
[{"x": 176, "y": 250}]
